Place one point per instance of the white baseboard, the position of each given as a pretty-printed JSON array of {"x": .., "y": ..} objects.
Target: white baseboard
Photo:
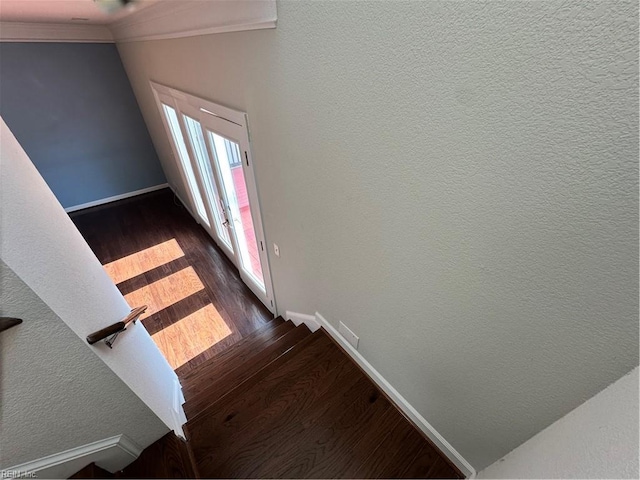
[
  {"x": 112, "y": 454},
  {"x": 115, "y": 198},
  {"x": 300, "y": 318},
  {"x": 185, "y": 204},
  {"x": 179, "y": 417},
  {"x": 393, "y": 394}
]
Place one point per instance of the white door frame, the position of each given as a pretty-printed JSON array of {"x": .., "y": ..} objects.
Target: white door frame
[
  {"x": 162, "y": 99},
  {"x": 193, "y": 113},
  {"x": 214, "y": 117}
]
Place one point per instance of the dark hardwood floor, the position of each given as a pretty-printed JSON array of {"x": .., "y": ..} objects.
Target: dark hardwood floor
[
  {"x": 166, "y": 458},
  {"x": 302, "y": 410},
  {"x": 211, "y": 292},
  {"x": 269, "y": 399}
]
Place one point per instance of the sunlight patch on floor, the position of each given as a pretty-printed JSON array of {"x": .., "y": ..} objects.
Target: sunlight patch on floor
[
  {"x": 166, "y": 291},
  {"x": 143, "y": 261},
  {"x": 192, "y": 335}
]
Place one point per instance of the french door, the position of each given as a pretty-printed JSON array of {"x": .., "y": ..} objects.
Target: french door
[{"x": 211, "y": 145}]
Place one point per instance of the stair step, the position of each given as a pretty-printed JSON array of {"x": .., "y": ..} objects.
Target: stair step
[
  {"x": 92, "y": 471},
  {"x": 293, "y": 401},
  {"x": 233, "y": 377},
  {"x": 244, "y": 350},
  {"x": 270, "y": 325},
  {"x": 168, "y": 457},
  {"x": 308, "y": 350},
  {"x": 264, "y": 333}
]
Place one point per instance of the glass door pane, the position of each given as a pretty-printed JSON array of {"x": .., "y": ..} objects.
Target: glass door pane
[
  {"x": 228, "y": 158},
  {"x": 194, "y": 132},
  {"x": 212, "y": 152},
  {"x": 181, "y": 148}
]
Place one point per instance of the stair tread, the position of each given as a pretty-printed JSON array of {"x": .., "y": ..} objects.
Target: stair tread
[
  {"x": 233, "y": 377},
  {"x": 303, "y": 352},
  {"x": 166, "y": 458},
  {"x": 252, "y": 342},
  {"x": 270, "y": 325},
  {"x": 92, "y": 471},
  {"x": 239, "y": 409},
  {"x": 242, "y": 355},
  {"x": 228, "y": 440}
]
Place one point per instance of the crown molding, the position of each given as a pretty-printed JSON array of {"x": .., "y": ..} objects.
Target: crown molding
[
  {"x": 187, "y": 18},
  {"x": 54, "y": 32},
  {"x": 159, "y": 21}
]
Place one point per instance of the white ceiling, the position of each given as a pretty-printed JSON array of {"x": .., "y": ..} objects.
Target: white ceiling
[{"x": 63, "y": 11}]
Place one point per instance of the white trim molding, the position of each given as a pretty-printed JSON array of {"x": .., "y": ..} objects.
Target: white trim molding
[
  {"x": 187, "y": 18},
  {"x": 115, "y": 198},
  {"x": 179, "y": 417},
  {"x": 314, "y": 322},
  {"x": 300, "y": 318},
  {"x": 158, "y": 21},
  {"x": 54, "y": 32},
  {"x": 111, "y": 454}
]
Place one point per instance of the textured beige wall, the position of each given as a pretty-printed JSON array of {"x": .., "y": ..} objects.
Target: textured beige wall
[
  {"x": 599, "y": 439},
  {"x": 55, "y": 394},
  {"x": 40, "y": 243},
  {"x": 455, "y": 181}
]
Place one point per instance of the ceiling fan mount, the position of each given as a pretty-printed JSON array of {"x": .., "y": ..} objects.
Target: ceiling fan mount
[{"x": 112, "y": 6}]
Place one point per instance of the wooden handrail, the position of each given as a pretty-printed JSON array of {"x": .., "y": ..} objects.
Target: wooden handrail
[
  {"x": 109, "y": 333},
  {"x": 7, "y": 322},
  {"x": 95, "y": 337}
]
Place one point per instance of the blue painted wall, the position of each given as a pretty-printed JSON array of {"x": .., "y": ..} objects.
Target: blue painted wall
[{"x": 72, "y": 109}]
